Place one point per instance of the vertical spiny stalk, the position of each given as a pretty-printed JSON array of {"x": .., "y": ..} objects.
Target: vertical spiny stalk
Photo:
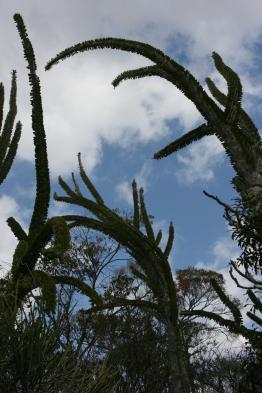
[
  {"x": 158, "y": 237},
  {"x": 171, "y": 235},
  {"x": 148, "y": 226},
  {"x": 136, "y": 218},
  {"x": 88, "y": 183},
  {"x": 9, "y": 121},
  {"x": 5, "y": 166},
  {"x": 41, "y": 161},
  {"x": 2, "y": 100},
  {"x": 234, "y": 95}
]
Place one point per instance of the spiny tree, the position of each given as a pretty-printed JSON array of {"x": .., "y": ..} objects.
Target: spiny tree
[
  {"x": 115, "y": 330},
  {"x": 8, "y": 143},
  {"x": 246, "y": 270},
  {"x": 23, "y": 277},
  {"x": 152, "y": 268},
  {"x": 232, "y": 126}
]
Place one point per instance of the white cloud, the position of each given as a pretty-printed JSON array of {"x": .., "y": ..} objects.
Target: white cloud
[
  {"x": 124, "y": 189},
  {"x": 199, "y": 160},
  {"x": 81, "y": 109},
  {"x": 223, "y": 250}
]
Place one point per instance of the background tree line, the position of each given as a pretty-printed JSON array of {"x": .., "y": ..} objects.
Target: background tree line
[{"x": 145, "y": 330}]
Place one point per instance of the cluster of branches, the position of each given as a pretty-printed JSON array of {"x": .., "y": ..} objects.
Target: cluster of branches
[
  {"x": 67, "y": 348},
  {"x": 242, "y": 143}
]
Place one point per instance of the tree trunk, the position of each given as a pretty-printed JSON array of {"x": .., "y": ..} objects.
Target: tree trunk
[{"x": 179, "y": 373}]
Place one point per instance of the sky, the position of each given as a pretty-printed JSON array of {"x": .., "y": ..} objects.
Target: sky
[{"x": 118, "y": 130}]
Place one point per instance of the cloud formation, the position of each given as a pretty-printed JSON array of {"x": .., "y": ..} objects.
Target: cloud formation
[
  {"x": 124, "y": 189},
  {"x": 199, "y": 161}
]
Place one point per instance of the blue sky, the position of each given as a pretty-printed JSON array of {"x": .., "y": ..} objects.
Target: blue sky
[{"x": 119, "y": 130}]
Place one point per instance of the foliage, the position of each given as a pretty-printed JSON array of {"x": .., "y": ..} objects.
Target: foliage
[{"x": 32, "y": 359}]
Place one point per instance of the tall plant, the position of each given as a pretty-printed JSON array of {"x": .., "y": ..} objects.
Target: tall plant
[
  {"x": 232, "y": 126},
  {"x": 152, "y": 268},
  {"x": 238, "y": 135},
  {"x": 8, "y": 143},
  {"x": 32, "y": 244}
]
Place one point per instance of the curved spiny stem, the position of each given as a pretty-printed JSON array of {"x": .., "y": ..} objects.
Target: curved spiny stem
[
  {"x": 233, "y": 109},
  {"x": 231, "y": 325},
  {"x": 171, "y": 235},
  {"x": 216, "y": 93},
  {"x": 143, "y": 248},
  {"x": 41, "y": 162},
  {"x": 81, "y": 286},
  {"x": 99, "y": 209},
  {"x": 140, "y": 48},
  {"x": 16, "y": 229},
  {"x": 77, "y": 188},
  {"x": 8, "y": 144},
  {"x": 136, "y": 74},
  {"x": 158, "y": 237},
  {"x": 122, "y": 302},
  {"x": 176, "y": 73},
  {"x": 137, "y": 244},
  {"x": 234, "y": 95},
  {"x": 88, "y": 183},
  {"x": 148, "y": 226},
  {"x": 5, "y": 166},
  {"x": 54, "y": 227},
  {"x": 227, "y": 302},
  {"x": 184, "y": 141},
  {"x": 66, "y": 188},
  {"x": 9, "y": 121},
  {"x": 248, "y": 128}
]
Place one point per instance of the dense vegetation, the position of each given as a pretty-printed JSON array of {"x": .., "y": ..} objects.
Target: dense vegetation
[{"x": 145, "y": 328}]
